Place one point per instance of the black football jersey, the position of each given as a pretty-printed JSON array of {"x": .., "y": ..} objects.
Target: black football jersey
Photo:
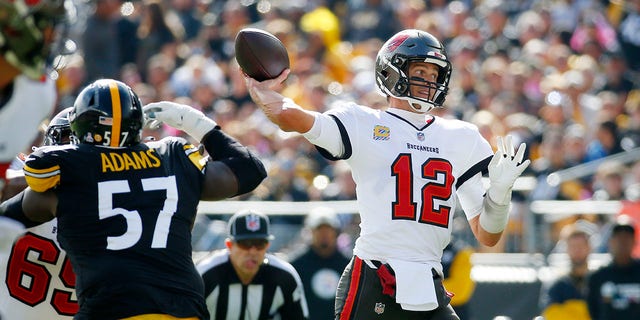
[
  {"x": 125, "y": 217},
  {"x": 276, "y": 291}
]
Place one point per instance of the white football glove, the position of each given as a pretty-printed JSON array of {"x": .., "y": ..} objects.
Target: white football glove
[
  {"x": 180, "y": 116},
  {"x": 504, "y": 169}
]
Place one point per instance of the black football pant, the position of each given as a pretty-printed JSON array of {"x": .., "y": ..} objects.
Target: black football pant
[{"x": 359, "y": 297}]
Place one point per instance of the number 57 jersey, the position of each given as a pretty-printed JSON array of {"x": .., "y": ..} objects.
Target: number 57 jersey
[
  {"x": 410, "y": 171},
  {"x": 124, "y": 219},
  {"x": 38, "y": 278}
]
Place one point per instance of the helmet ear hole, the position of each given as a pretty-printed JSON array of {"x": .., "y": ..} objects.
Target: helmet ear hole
[
  {"x": 401, "y": 87},
  {"x": 399, "y": 62}
]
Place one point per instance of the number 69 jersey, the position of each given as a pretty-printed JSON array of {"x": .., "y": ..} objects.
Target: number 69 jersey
[
  {"x": 124, "y": 218},
  {"x": 38, "y": 278},
  {"x": 410, "y": 169}
]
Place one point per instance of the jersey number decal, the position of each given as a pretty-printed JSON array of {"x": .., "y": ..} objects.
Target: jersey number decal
[
  {"x": 107, "y": 189},
  {"x": 29, "y": 281},
  {"x": 107, "y": 138},
  {"x": 438, "y": 173}
]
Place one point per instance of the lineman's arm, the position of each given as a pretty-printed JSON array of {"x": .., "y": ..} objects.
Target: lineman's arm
[
  {"x": 280, "y": 110},
  {"x": 26, "y": 209},
  {"x": 31, "y": 208},
  {"x": 233, "y": 168}
]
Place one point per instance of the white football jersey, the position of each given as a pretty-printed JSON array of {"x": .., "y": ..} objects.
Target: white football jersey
[
  {"x": 31, "y": 102},
  {"x": 409, "y": 176},
  {"x": 38, "y": 280}
]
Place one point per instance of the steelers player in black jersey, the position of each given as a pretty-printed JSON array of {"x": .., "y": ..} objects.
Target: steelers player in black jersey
[{"x": 125, "y": 209}]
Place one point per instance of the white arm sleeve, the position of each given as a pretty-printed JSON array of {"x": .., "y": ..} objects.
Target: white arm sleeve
[{"x": 325, "y": 134}]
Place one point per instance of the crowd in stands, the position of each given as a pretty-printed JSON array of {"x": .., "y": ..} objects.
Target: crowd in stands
[{"x": 562, "y": 76}]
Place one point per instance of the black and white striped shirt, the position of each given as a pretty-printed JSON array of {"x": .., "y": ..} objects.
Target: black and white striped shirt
[{"x": 276, "y": 291}]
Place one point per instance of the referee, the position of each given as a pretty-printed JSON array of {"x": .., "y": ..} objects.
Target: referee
[{"x": 244, "y": 282}]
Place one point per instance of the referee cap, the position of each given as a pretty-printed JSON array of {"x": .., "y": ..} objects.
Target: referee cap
[{"x": 249, "y": 224}]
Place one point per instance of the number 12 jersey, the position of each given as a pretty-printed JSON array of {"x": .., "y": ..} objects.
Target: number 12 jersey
[{"x": 410, "y": 170}]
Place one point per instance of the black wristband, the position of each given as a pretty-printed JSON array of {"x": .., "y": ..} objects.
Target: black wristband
[
  {"x": 12, "y": 208},
  {"x": 248, "y": 169}
]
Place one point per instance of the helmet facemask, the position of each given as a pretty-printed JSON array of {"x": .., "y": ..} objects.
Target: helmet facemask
[{"x": 58, "y": 131}]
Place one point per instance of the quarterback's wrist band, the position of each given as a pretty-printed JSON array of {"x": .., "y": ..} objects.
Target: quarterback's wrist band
[
  {"x": 494, "y": 217},
  {"x": 12, "y": 209},
  {"x": 244, "y": 164}
]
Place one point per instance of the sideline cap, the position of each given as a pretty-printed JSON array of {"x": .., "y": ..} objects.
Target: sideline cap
[
  {"x": 623, "y": 223},
  {"x": 322, "y": 216}
]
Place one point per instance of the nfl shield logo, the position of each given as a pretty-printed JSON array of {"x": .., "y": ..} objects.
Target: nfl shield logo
[
  {"x": 253, "y": 223},
  {"x": 379, "y": 308},
  {"x": 420, "y": 136}
]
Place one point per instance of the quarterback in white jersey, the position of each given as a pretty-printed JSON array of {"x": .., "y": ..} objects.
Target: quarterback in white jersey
[
  {"x": 37, "y": 275},
  {"x": 410, "y": 168}
]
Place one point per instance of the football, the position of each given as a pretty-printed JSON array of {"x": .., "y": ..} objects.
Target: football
[{"x": 260, "y": 54}]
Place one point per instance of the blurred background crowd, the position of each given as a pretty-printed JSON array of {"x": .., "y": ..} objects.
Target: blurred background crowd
[{"x": 562, "y": 76}]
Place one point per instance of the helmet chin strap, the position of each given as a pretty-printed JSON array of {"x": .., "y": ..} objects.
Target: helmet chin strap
[{"x": 418, "y": 105}]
